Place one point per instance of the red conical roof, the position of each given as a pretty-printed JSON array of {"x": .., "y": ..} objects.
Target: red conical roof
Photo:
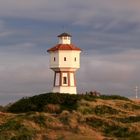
[{"x": 64, "y": 47}]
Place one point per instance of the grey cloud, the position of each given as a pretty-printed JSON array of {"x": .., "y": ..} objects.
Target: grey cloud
[
  {"x": 75, "y": 11},
  {"x": 27, "y": 74},
  {"x": 108, "y": 32},
  {"x": 2, "y": 25},
  {"x": 110, "y": 74}
]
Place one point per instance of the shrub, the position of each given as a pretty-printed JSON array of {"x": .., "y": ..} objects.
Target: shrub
[
  {"x": 110, "y": 128},
  {"x": 66, "y": 101},
  {"x": 114, "y": 97},
  {"x": 95, "y": 122},
  {"x": 98, "y": 110},
  {"x": 4, "y": 137},
  {"x": 137, "y": 137},
  {"x": 23, "y": 105},
  {"x": 52, "y": 108},
  {"x": 37, "y": 103},
  {"x": 103, "y": 109},
  {"x": 86, "y": 110},
  {"x": 130, "y": 106},
  {"x": 40, "y": 119},
  {"x": 137, "y": 107},
  {"x": 115, "y": 130},
  {"x": 130, "y": 119},
  {"x": 64, "y": 117},
  {"x": 119, "y": 131},
  {"x": 22, "y": 137},
  {"x": 1, "y": 108},
  {"x": 10, "y": 125}
]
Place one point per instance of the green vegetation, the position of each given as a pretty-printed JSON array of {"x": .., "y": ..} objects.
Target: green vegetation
[
  {"x": 131, "y": 106},
  {"x": 40, "y": 120},
  {"x": 98, "y": 110},
  {"x": 130, "y": 119},
  {"x": 14, "y": 130},
  {"x": 55, "y": 116},
  {"x": 1, "y": 108},
  {"x": 10, "y": 125},
  {"x": 65, "y": 102},
  {"x": 113, "y": 97},
  {"x": 111, "y": 128},
  {"x": 103, "y": 109}
]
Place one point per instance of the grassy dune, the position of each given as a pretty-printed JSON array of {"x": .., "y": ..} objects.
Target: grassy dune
[{"x": 79, "y": 118}]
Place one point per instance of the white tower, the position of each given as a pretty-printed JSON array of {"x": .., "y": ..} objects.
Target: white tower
[{"x": 64, "y": 61}]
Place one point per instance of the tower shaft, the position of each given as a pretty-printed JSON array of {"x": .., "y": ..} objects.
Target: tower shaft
[{"x": 64, "y": 82}]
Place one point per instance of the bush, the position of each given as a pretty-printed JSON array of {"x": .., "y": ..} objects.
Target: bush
[
  {"x": 52, "y": 108},
  {"x": 111, "y": 128},
  {"x": 103, "y": 109},
  {"x": 98, "y": 110},
  {"x": 116, "y": 131},
  {"x": 4, "y": 137},
  {"x": 66, "y": 101},
  {"x": 86, "y": 110},
  {"x": 119, "y": 131},
  {"x": 22, "y": 137},
  {"x": 40, "y": 119},
  {"x": 23, "y": 105},
  {"x": 130, "y": 106},
  {"x": 15, "y": 130},
  {"x": 37, "y": 103},
  {"x": 130, "y": 119},
  {"x": 64, "y": 117},
  {"x": 10, "y": 125},
  {"x": 113, "y": 97},
  {"x": 1, "y": 108}
]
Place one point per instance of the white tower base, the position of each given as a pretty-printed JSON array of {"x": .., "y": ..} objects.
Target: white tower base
[{"x": 61, "y": 89}]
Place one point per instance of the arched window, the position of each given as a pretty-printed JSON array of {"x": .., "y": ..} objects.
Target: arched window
[
  {"x": 64, "y": 80},
  {"x": 65, "y": 59}
]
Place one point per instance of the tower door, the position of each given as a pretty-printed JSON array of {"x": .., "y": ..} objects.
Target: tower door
[{"x": 64, "y": 79}]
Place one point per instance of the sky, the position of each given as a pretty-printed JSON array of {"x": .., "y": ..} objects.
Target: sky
[{"x": 108, "y": 32}]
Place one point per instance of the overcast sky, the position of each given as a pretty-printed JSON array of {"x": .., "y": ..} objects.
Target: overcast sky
[{"x": 108, "y": 32}]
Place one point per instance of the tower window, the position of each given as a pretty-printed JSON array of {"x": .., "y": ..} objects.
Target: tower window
[
  {"x": 65, "y": 59},
  {"x": 54, "y": 59},
  {"x": 75, "y": 59},
  {"x": 64, "y": 80}
]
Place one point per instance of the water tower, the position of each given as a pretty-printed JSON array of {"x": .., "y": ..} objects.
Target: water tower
[{"x": 64, "y": 61}]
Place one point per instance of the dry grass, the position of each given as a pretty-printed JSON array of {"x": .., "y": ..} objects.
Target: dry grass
[
  {"x": 74, "y": 125},
  {"x": 136, "y": 100}
]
